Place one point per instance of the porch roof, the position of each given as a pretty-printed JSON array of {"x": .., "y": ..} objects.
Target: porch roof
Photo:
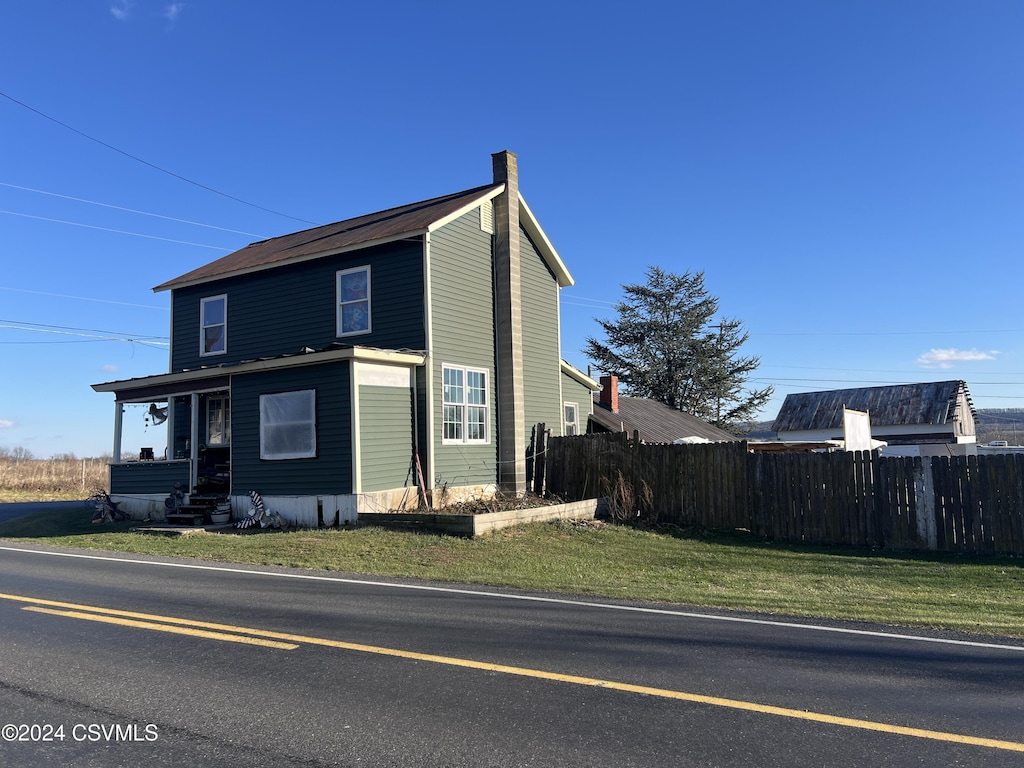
[{"x": 147, "y": 388}]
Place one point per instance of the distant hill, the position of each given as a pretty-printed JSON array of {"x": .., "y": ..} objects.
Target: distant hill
[
  {"x": 992, "y": 424},
  {"x": 1001, "y": 424},
  {"x": 760, "y": 430}
]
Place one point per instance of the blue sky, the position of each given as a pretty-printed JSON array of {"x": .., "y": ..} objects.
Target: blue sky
[{"x": 849, "y": 176}]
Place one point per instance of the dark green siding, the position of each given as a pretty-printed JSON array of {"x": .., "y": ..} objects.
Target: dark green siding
[
  {"x": 148, "y": 476},
  {"x": 385, "y": 438},
  {"x": 280, "y": 311},
  {"x": 331, "y": 471},
  {"x": 541, "y": 361},
  {"x": 461, "y": 284}
]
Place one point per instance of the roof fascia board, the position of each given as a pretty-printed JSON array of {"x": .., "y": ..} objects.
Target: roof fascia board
[
  {"x": 489, "y": 195},
  {"x": 580, "y": 376},
  {"x": 408, "y": 359},
  {"x": 296, "y": 260},
  {"x": 547, "y": 250}
]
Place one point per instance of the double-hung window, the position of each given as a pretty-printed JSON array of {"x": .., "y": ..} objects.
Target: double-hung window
[
  {"x": 465, "y": 405},
  {"x": 572, "y": 419},
  {"x": 213, "y": 313},
  {"x": 354, "y": 301},
  {"x": 288, "y": 425}
]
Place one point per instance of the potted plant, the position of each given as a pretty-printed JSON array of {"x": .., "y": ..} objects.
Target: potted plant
[{"x": 221, "y": 513}]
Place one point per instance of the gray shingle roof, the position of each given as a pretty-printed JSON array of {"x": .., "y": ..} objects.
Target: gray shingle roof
[
  {"x": 656, "y": 422},
  {"x": 927, "y": 403}
]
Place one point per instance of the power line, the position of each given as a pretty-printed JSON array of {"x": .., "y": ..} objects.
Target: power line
[
  {"x": 775, "y": 366},
  {"x": 884, "y": 333},
  {"x": 769, "y": 379},
  {"x": 73, "y": 328},
  {"x": 82, "y": 298},
  {"x": 145, "y": 341},
  {"x": 116, "y": 231},
  {"x": 131, "y": 210},
  {"x": 151, "y": 165}
]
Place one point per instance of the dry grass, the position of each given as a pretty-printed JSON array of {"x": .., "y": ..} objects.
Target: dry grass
[{"x": 50, "y": 479}]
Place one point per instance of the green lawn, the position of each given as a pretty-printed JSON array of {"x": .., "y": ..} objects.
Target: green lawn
[{"x": 984, "y": 595}]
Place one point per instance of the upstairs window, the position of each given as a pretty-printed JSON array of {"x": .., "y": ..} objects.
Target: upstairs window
[
  {"x": 354, "y": 301},
  {"x": 465, "y": 406},
  {"x": 213, "y": 312}
]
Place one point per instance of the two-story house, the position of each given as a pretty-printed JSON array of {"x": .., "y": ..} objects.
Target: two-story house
[{"x": 362, "y": 364}]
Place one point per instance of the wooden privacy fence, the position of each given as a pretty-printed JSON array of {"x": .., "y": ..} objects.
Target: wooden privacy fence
[{"x": 951, "y": 504}]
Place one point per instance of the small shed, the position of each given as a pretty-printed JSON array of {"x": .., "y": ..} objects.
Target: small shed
[{"x": 925, "y": 419}]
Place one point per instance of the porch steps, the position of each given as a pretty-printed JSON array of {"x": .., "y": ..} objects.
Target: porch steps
[{"x": 188, "y": 514}]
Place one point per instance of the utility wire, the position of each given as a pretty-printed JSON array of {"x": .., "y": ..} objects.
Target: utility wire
[
  {"x": 151, "y": 165},
  {"x": 82, "y": 298},
  {"x": 117, "y": 231},
  {"x": 131, "y": 210},
  {"x": 90, "y": 337},
  {"x": 73, "y": 328},
  {"x": 884, "y": 333}
]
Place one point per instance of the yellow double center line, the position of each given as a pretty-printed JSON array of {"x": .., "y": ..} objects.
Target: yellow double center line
[{"x": 288, "y": 641}]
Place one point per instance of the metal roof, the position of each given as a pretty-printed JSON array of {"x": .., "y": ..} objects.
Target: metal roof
[
  {"x": 656, "y": 422},
  {"x": 144, "y": 388},
  {"x": 363, "y": 231},
  {"x": 926, "y": 403}
]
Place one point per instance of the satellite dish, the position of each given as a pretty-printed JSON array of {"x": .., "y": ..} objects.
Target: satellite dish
[{"x": 157, "y": 414}]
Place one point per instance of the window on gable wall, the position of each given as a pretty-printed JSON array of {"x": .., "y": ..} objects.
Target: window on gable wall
[
  {"x": 354, "y": 301},
  {"x": 213, "y": 313},
  {"x": 465, "y": 407}
]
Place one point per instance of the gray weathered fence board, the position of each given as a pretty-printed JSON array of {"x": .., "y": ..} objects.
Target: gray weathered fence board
[{"x": 956, "y": 504}]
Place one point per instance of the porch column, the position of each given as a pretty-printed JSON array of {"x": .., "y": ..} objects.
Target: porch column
[
  {"x": 193, "y": 470},
  {"x": 118, "y": 420},
  {"x": 169, "y": 441}
]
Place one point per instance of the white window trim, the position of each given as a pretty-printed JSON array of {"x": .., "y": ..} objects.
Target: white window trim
[
  {"x": 203, "y": 325},
  {"x": 565, "y": 424},
  {"x": 338, "y": 303},
  {"x": 466, "y": 405},
  {"x": 264, "y": 452}
]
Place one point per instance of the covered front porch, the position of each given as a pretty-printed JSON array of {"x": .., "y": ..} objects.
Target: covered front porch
[{"x": 187, "y": 434}]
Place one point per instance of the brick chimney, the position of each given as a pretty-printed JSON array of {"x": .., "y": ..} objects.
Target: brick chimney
[
  {"x": 610, "y": 393},
  {"x": 508, "y": 327}
]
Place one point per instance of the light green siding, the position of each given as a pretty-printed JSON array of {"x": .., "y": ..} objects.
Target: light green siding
[
  {"x": 385, "y": 438},
  {"x": 541, "y": 361},
  {"x": 575, "y": 392},
  {"x": 461, "y": 283}
]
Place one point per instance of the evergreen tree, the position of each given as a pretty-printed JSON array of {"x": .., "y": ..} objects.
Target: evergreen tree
[{"x": 665, "y": 345}]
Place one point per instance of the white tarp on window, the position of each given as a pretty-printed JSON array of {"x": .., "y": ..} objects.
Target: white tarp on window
[{"x": 288, "y": 425}]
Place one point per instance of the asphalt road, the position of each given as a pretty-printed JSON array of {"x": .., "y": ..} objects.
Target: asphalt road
[{"x": 359, "y": 672}]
